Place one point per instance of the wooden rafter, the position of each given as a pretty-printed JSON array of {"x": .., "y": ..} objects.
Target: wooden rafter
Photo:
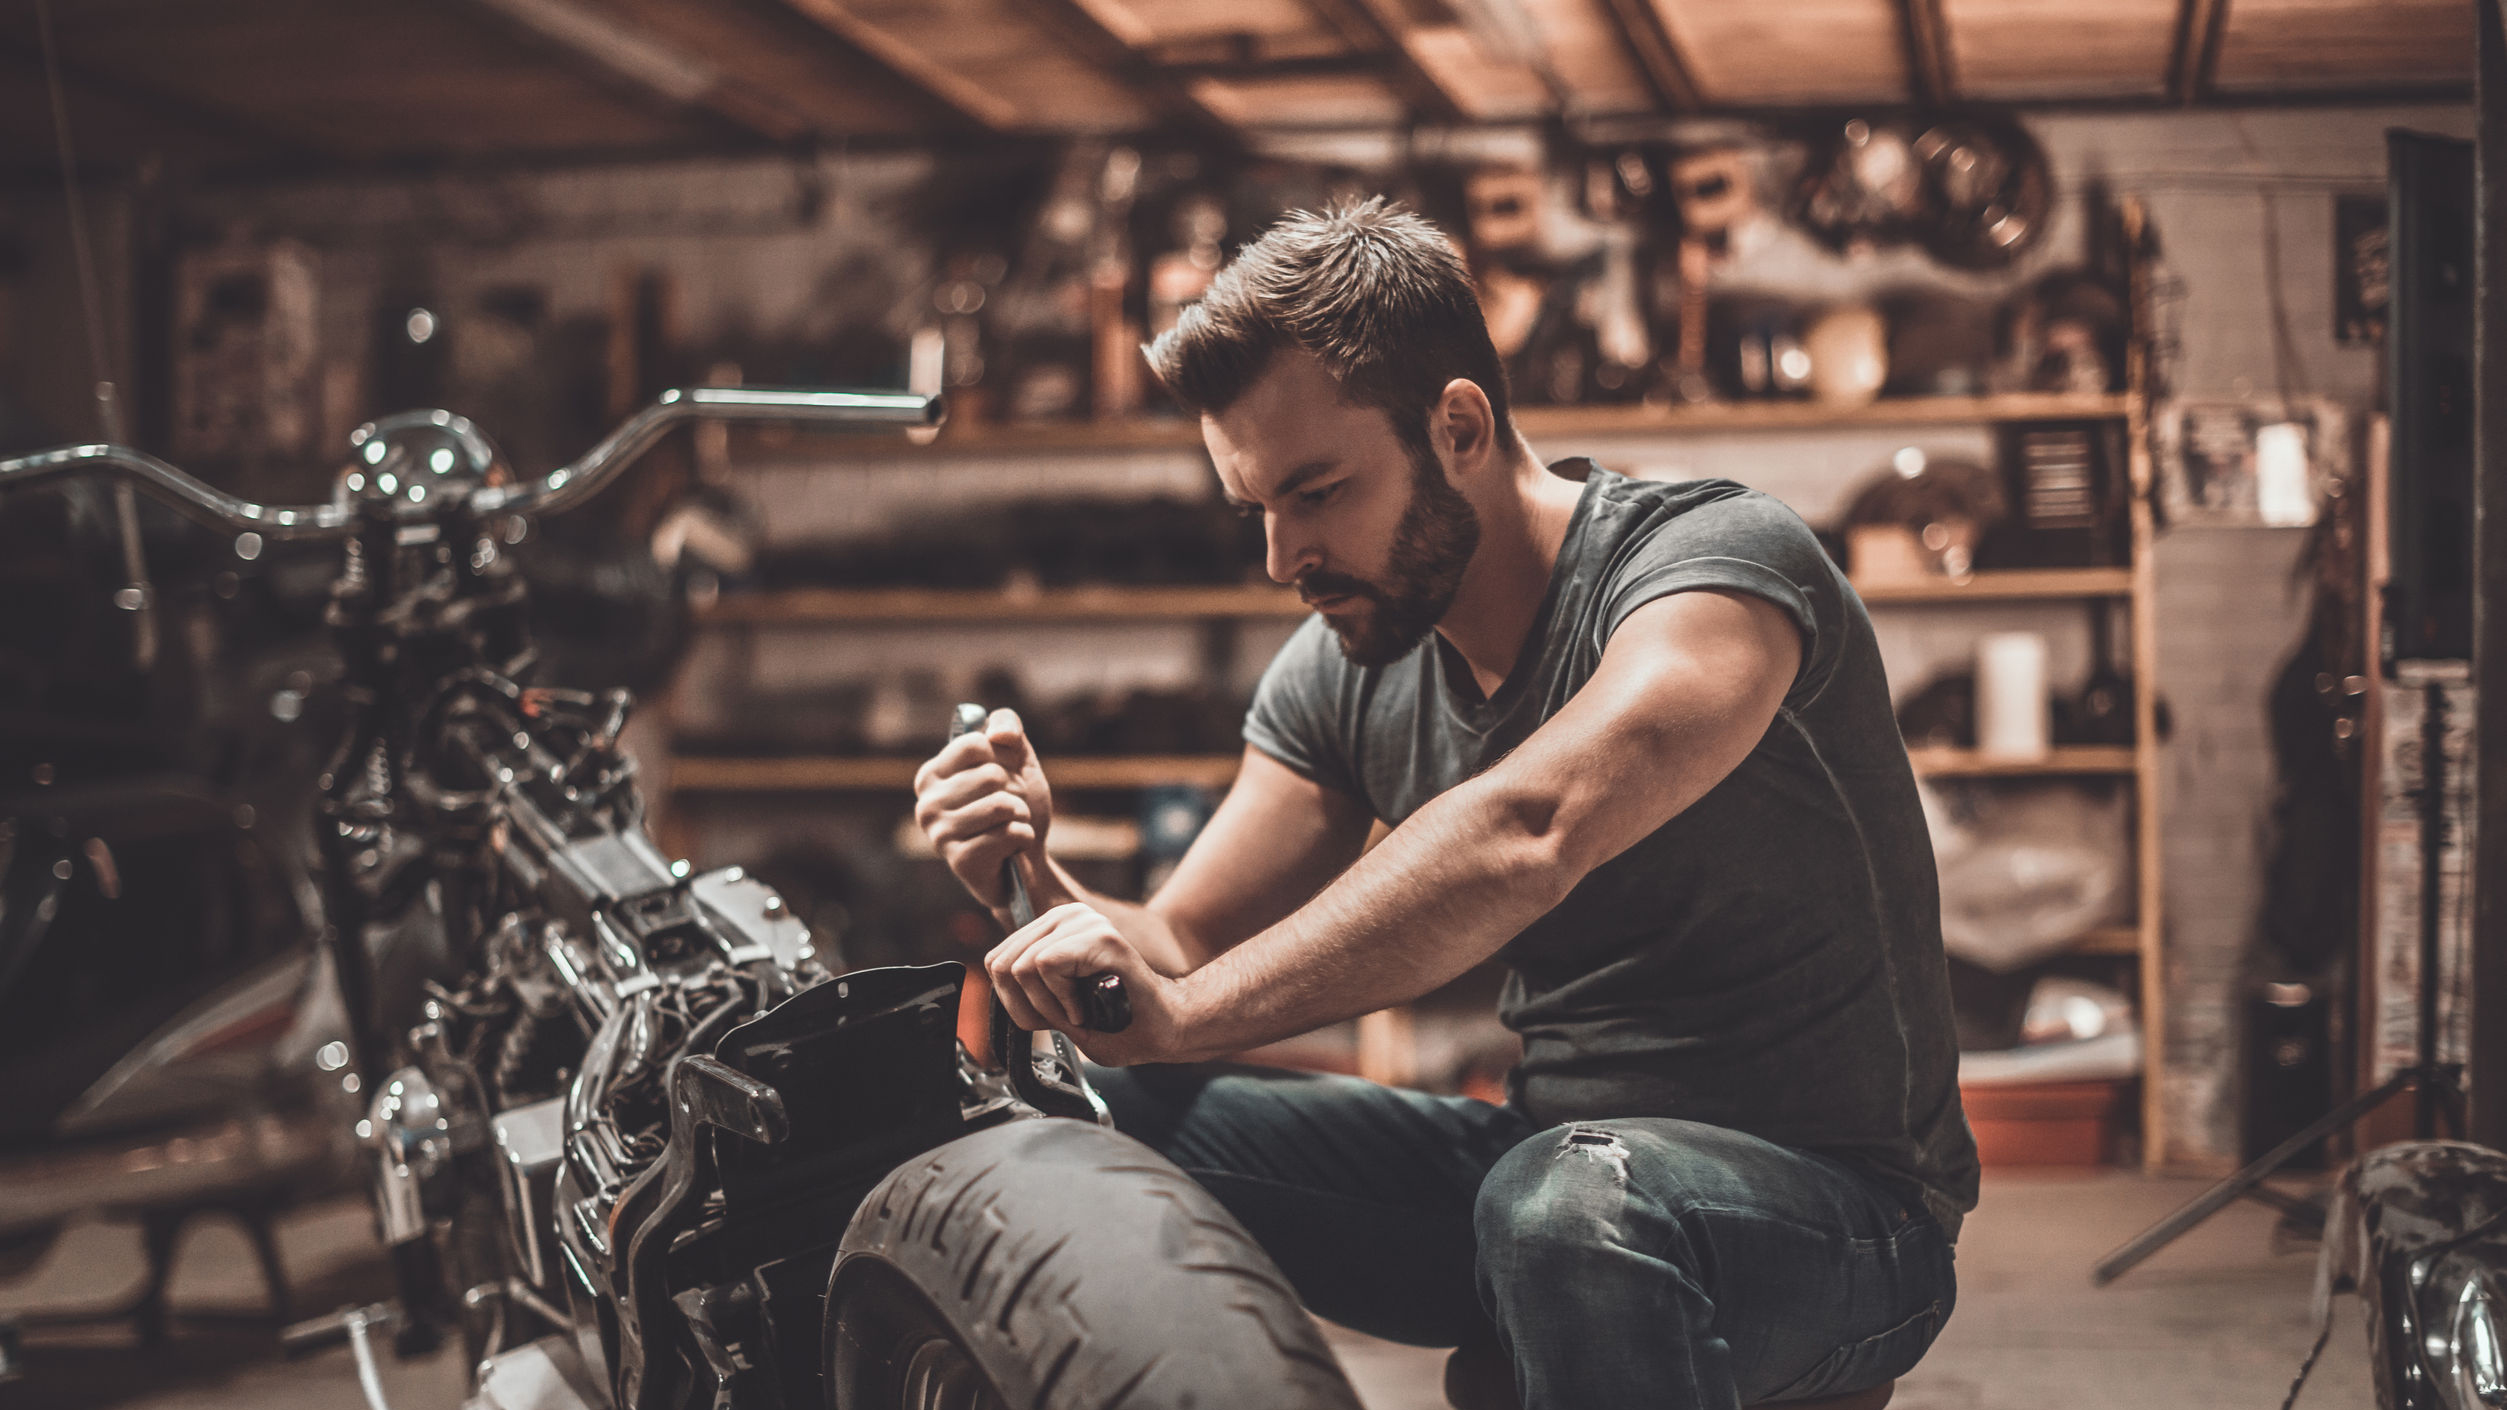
[
  {"x": 2195, "y": 59},
  {"x": 972, "y": 100},
  {"x": 1081, "y": 26},
  {"x": 1257, "y": 69},
  {"x": 625, "y": 50},
  {"x": 1643, "y": 33},
  {"x": 1366, "y": 26},
  {"x": 796, "y": 77},
  {"x": 1930, "y": 79},
  {"x": 216, "y": 124}
]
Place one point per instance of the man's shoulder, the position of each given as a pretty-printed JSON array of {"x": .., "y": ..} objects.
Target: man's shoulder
[{"x": 1642, "y": 522}]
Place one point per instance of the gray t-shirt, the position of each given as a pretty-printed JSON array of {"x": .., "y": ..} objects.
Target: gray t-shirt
[{"x": 1769, "y": 960}]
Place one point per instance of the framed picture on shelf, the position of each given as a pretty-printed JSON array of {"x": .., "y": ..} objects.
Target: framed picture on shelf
[{"x": 2249, "y": 463}]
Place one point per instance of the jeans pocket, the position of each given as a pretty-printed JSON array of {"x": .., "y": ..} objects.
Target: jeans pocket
[{"x": 1860, "y": 1365}]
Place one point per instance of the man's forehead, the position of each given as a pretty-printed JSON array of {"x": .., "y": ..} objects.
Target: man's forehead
[{"x": 1290, "y": 428}]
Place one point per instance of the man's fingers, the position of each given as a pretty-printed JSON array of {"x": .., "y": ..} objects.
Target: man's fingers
[
  {"x": 1008, "y": 737},
  {"x": 957, "y": 789},
  {"x": 1002, "y": 967},
  {"x": 1034, "y": 971},
  {"x": 974, "y": 819},
  {"x": 1022, "y": 1011},
  {"x": 1036, "y": 982},
  {"x": 957, "y": 755}
]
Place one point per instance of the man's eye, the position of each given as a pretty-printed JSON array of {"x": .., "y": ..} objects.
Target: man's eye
[
  {"x": 1245, "y": 511},
  {"x": 1316, "y": 498}
]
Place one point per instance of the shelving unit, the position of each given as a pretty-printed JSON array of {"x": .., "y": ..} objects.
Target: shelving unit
[
  {"x": 969, "y": 442},
  {"x": 808, "y": 606},
  {"x": 2064, "y": 761},
  {"x": 804, "y": 773},
  {"x": 827, "y": 773},
  {"x": 829, "y": 606},
  {"x": 973, "y": 447}
]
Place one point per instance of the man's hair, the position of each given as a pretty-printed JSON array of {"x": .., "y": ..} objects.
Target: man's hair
[{"x": 1377, "y": 294}]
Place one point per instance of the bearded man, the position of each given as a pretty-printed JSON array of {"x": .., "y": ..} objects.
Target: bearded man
[{"x": 1633, "y": 740}]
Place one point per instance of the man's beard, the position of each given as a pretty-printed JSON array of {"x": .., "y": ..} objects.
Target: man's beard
[{"x": 1432, "y": 545}]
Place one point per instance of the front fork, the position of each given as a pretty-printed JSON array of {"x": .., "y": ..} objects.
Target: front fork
[{"x": 352, "y": 829}]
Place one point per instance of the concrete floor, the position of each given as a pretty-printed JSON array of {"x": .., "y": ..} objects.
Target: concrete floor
[{"x": 2219, "y": 1320}]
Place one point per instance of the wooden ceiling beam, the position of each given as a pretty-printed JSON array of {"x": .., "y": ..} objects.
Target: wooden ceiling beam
[
  {"x": 1369, "y": 27},
  {"x": 158, "y": 106},
  {"x": 2194, "y": 61},
  {"x": 1643, "y": 34},
  {"x": 790, "y": 70},
  {"x": 626, "y": 50},
  {"x": 1930, "y": 79},
  {"x": 1296, "y": 66},
  {"x": 1078, "y": 24},
  {"x": 970, "y": 100}
]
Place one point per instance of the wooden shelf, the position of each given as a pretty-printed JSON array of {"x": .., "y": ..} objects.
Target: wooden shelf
[
  {"x": 806, "y": 606},
  {"x": 2071, "y": 759},
  {"x": 2109, "y": 940},
  {"x": 1778, "y": 415},
  {"x": 1770, "y": 414},
  {"x": 825, "y": 605},
  {"x": 805, "y": 772},
  {"x": 817, "y": 773},
  {"x": 2006, "y": 585}
]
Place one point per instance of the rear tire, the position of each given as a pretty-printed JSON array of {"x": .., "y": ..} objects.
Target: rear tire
[{"x": 1054, "y": 1265}]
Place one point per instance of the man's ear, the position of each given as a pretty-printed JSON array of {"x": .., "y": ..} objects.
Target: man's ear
[{"x": 1464, "y": 425}]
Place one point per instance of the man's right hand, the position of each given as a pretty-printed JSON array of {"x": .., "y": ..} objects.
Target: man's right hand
[{"x": 982, "y": 800}]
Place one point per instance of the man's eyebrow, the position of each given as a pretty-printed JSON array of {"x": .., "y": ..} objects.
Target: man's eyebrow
[
  {"x": 1307, "y": 474},
  {"x": 1289, "y": 485},
  {"x": 1296, "y": 479}
]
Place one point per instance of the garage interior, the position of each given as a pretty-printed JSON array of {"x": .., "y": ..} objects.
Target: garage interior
[{"x": 2129, "y": 358}]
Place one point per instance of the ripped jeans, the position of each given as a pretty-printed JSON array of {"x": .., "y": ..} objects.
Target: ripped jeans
[{"x": 1642, "y": 1262}]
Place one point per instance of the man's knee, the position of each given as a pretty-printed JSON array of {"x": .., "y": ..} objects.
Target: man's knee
[{"x": 1562, "y": 1201}]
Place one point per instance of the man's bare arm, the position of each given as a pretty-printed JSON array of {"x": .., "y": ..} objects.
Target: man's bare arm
[
  {"x": 1276, "y": 838},
  {"x": 1687, "y": 687}
]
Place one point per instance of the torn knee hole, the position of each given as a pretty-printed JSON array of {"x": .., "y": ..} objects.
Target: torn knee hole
[{"x": 1593, "y": 1143}]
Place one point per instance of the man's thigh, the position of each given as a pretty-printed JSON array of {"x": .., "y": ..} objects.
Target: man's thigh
[
  {"x": 1819, "y": 1279},
  {"x": 1363, "y": 1194}
]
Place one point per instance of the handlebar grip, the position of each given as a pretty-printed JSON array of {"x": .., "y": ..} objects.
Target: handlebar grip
[{"x": 1105, "y": 1006}]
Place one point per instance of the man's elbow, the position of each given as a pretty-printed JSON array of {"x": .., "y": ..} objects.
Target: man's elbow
[{"x": 1534, "y": 841}]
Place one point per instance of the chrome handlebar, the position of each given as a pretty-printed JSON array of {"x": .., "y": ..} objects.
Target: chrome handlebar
[{"x": 559, "y": 490}]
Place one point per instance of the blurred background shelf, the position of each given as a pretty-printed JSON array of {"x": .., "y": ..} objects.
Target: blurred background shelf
[
  {"x": 2007, "y": 585},
  {"x": 823, "y": 606},
  {"x": 2071, "y": 760},
  {"x": 1782, "y": 415},
  {"x": 2109, "y": 940},
  {"x": 1767, "y": 414},
  {"x": 807, "y": 772},
  {"x": 817, "y": 606}
]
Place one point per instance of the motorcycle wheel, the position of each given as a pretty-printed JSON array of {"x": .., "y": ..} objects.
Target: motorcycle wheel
[{"x": 1054, "y": 1265}]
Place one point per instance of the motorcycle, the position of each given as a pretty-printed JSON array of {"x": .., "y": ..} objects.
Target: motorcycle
[{"x": 631, "y": 1140}]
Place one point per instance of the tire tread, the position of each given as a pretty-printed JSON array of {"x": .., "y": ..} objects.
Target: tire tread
[{"x": 1107, "y": 1279}]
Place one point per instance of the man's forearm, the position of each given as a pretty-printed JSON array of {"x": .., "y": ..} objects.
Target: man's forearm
[
  {"x": 1442, "y": 892},
  {"x": 1167, "y": 950}
]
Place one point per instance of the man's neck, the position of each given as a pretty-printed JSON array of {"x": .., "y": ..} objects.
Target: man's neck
[{"x": 1521, "y": 531}]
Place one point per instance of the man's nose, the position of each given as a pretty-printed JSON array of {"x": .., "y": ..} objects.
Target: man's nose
[{"x": 1287, "y": 556}]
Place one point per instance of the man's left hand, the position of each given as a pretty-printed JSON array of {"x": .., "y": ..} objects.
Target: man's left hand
[{"x": 1037, "y": 972}]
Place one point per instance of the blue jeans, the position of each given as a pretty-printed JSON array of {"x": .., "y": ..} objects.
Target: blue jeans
[{"x": 1640, "y": 1262}]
